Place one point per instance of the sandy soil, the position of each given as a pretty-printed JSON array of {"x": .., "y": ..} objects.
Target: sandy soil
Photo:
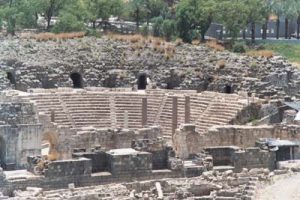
[{"x": 285, "y": 189}]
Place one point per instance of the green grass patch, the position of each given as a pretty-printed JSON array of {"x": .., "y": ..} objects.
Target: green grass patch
[{"x": 290, "y": 51}]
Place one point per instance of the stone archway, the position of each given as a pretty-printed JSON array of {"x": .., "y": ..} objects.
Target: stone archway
[
  {"x": 228, "y": 89},
  {"x": 142, "y": 82},
  {"x": 2, "y": 152},
  {"x": 77, "y": 80},
  {"x": 11, "y": 77},
  {"x": 49, "y": 145}
]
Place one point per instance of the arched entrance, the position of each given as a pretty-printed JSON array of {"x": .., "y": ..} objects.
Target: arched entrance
[
  {"x": 228, "y": 89},
  {"x": 11, "y": 77},
  {"x": 77, "y": 80},
  {"x": 142, "y": 82},
  {"x": 2, "y": 152},
  {"x": 49, "y": 145}
]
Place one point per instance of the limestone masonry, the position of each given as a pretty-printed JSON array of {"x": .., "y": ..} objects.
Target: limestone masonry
[{"x": 100, "y": 118}]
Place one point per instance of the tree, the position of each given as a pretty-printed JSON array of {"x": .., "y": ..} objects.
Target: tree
[
  {"x": 137, "y": 10},
  {"x": 267, "y": 10},
  {"x": 72, "y": 17},
  {"x": 185, "y": 20},
  {"x": 195, "y": 15},
  {"x": 154, "y": 8},
  {"x": 278, "y": 10},
  {"x": 49, "y": 8},
  {"x": 297, "y": 7},
  {"x": 290, "y": 12},
  {"x": 103, "y": 9},
  {"x": 255, "y": 14},
  {"x": 17, "y": 13},
  {"x": 168, "y": 29},
  {"x": 233, "y": 15}
]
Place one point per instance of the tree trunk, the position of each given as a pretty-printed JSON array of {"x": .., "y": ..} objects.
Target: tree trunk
[
  {"x": 298, "y": 27},
  {"x": 265, "y": 28},
  {"x": 277, "y": 27},
  {"x": 253, "y": 32},
  {"x": 244, "y": 34},
  {"x": 137, "y": 20},
  {"x": 202, "y": 37},
  {"x": 286, "y": 28},
  {"x": 94, "y": 24}
]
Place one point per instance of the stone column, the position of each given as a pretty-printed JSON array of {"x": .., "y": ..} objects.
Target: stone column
[
  {"x": 187, "y": 110},
  {"x": 174, "y": 114},
  {"x": 126, "y": 119},
  {"x": 52, "y": 116},
  {"x": 144, "y": 111}
]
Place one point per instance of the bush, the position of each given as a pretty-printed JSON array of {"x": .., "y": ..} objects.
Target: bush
[
  {"x": 157, "y": 26},
  {"x": 168, "y": 29},
  {"x": 68, "y": 23},
  {"x": 94, "y": 32},
  {"x": 239, "y": 47},
  {"x": 145, "y": 30}
]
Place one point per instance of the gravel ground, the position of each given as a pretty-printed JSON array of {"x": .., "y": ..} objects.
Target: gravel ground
[{"x": 285, "y": 189}]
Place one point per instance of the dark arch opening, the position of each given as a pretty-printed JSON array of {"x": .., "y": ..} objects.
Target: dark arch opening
[
  {"x": 10, "y": 76},
  {"x": 142, "y": 82},
  {"x": 228, "y": 89},
  {"x": 2, "y": 152},
  {"x": 170, "y": 86},
  {"x": 77, "y": 80}
]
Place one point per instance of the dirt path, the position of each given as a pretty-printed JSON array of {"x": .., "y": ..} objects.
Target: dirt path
[{"x": 284, "y": 189}]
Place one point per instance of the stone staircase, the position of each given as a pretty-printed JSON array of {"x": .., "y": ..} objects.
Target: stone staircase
[
  {"x": 132, "y": 103},
  {"x": 48, "y": 102},
  {"x": 88, "y": 109},
  {"x": 221, "y": 110},
  {"x": 102, "y": 109}
]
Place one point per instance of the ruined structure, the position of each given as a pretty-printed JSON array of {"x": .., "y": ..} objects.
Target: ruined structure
[
  {"x": 88, "y": 112},
  {"x": 105, "y": 62}
]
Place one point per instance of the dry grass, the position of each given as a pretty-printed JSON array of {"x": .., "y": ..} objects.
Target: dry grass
[
  {"x": 178, "y": 42},
  {"x": 213, "y": 44},
  {"x": 221, "y": 64},
  {"x": 139, "y": 42},
  {"x": 196, "y": 42},
  {"x": 60, "y": 36},
  {"x": 260, "y": 53}
]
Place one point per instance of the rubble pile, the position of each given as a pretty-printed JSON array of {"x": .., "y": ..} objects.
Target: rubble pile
[
  {"x": 110, "y": 63},
  {"x": 211, "y": 185}
]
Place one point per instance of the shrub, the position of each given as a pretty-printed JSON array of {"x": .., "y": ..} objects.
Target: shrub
[
  {"x": 239, "y": 47},
  {"x": 178, "y": 42},
  {"x": 221, "y": 64},
  {"x": 94, "y": 32},
  {"x": 253, "y": 65},
  {"x": 214, "y": 45},
  {"x": 60, "y": 36},
  {"x": 157, "y": 26},
  {"x": 168, "y": 29},
  {"x": 68, "y": 23},
  {"x": 261, "y": 53},
  {"x": 145, "y": 30},
  {"x": 195, "y": 42}
]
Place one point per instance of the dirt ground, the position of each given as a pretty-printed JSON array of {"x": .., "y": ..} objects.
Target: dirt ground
[{"x": 284, "y": 189}]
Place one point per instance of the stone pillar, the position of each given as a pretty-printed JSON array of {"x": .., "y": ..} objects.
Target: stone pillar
[
  {"x": 144, "y": 111},
  {"x": 52, "y": 116},
  {"x": 126, "y": 119},
  {"x": 174, "y": 114},
  {"x": 187, "y": 110}
]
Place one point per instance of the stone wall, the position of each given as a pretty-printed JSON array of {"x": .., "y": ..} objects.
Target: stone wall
[
  {"x": 246, "y": 136},
  {"x": 129, "y": 161},
  {"x": 72, "y": 168},
  {"x": 186, "y": 141},
  {"x": 105, "y": 138},
  {"x": 20, "y": 134},
  {"x": 104, "y": 62},
  {"x": 249, "y": 158}
]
